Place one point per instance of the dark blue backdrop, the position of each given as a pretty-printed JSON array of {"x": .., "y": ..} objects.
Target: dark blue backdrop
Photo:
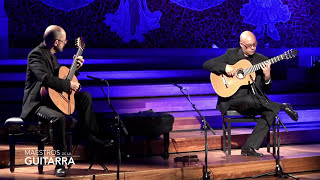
[{"x": 168, "y": 23}]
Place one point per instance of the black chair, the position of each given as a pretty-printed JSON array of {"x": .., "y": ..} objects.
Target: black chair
[
  {"x": 33, "y": 132},
  {"x": 233, "y": 116},
  {"x": 149, "y": 124}
]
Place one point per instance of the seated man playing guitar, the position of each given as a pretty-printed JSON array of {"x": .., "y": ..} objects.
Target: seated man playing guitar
[
  {"x": 249, "y": 99},
  {"x": 42, "y": 71}
]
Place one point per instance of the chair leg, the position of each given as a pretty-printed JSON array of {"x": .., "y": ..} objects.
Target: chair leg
[
  {"x": 229, "y": 138},
  {"x": 166, "y": 145},
  {"x": 69, "y": 142},
  {"x": 149, "y": 146},
  {"x": 69, "y": 148},
  {"x": 41, "y": 149},
  {"x": 224, "y": 137},
  {"x": 12, "y": 145},
  {"x": 274, "y": 139},
  {"x": 127, "y": 146},
  {"x": 268, "y": 142}
]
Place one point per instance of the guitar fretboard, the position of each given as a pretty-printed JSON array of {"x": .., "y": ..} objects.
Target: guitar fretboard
[
  {"x": 73, "y": 67},
  {"x": 258, "y": 66}
]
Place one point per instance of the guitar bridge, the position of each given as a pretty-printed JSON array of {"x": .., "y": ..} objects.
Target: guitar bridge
[{"x": 225, "y": 81}]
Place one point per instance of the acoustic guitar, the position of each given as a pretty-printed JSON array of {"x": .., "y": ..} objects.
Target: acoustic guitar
[
  {"x": 65, "y": 101},
  {"x": 226, "y": 86}
]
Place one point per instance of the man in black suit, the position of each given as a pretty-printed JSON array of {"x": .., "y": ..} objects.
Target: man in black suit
[
  {"x": 245, "y": 101},
  {"x": 42, "y": 70}
]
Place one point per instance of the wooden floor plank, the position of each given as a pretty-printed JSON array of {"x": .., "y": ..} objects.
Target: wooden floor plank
[
  {"x": 183, "y": 141},
  {"x": 294, "y": 158}
]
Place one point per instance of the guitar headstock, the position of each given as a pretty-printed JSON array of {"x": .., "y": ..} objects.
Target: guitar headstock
[
  {"x": 80, "y": 43},
  {"x": 290, "y": 54}
]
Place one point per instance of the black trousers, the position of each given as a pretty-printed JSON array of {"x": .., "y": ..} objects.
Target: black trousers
[
  {"x": 254, "y": 105},
  {"x": 87, "y": 124}
]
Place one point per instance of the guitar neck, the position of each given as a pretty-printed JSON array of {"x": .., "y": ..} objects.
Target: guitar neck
[
  {"x": 258, "y": 66},
  {"x": 73, "y": 67}
]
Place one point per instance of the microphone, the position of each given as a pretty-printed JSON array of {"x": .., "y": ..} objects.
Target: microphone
[
  {"x": 97, "y": 79},
  {"x": 180, "y": 87}
]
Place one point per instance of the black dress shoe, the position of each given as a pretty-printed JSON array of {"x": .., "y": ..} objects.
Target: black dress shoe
[
  {"x": 292, "y": 113},
  {"x": 250, "y": 152},
  {"x": 60, "y": 171},
  {"x": 99, "y": 142}
]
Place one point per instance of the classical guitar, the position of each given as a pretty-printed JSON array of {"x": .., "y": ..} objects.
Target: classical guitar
[
  {"x": 226, "y": 86},
  {"x": 65, "y": 101}
]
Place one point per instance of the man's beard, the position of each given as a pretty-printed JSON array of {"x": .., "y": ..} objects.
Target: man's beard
[
  {"x": 250, "y": 53},
  {"x": 58, "y": 49}
]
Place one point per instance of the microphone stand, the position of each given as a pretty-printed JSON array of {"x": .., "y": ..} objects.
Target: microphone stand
[
  {"x": 118, "y": 120},
  {"x": 206, "y": 126},
  {"x": 278, "y": 171}
]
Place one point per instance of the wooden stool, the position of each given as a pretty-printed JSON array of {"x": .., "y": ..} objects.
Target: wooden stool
[
  {"x": 233, "y": 116},
  {"x": 32, "y": 132}
]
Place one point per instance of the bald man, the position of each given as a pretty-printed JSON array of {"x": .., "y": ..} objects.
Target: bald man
[
  {"x": 42, "y": 70},
  {"x": 244, "y": 100}
]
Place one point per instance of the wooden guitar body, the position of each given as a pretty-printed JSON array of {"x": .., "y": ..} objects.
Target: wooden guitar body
[
  {"x": 226, "y": 86},
  {"x": 64, "y": 101}
]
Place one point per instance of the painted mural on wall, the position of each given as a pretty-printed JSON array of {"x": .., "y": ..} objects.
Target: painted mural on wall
[
  {"x": 138, "y": 23},
  {"x": 198, "y": 5},
  {"x": 265, "y": 13},
  {"x": 67, "y": 5},
  {"x": 132, "y": 20}
]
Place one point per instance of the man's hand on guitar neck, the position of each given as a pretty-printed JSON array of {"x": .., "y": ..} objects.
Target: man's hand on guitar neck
[
  {"x": 80, "y": 61},
  {"x": 75, "y": 86},
  {"x": 266, "y": 68},
  {"x": 229, "y": 70}
]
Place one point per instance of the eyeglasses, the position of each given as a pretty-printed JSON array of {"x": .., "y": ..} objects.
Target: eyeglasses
[
  {"x": 64, "y": 41},
  {"x": 250, "y": 45}
]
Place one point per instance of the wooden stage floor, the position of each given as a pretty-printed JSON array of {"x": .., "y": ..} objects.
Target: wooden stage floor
[{"x": 295, "y": 159}]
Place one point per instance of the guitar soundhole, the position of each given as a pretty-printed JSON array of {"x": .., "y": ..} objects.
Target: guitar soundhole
[{"x": 240, "y": 74}]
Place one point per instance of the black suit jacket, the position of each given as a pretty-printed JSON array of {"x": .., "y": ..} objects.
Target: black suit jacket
[
  {"x": 42, "y": 70},
  {"x": 217, "y": 65}
]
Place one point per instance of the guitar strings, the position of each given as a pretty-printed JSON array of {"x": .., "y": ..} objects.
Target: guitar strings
[{"x": 259, "y": 65}]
